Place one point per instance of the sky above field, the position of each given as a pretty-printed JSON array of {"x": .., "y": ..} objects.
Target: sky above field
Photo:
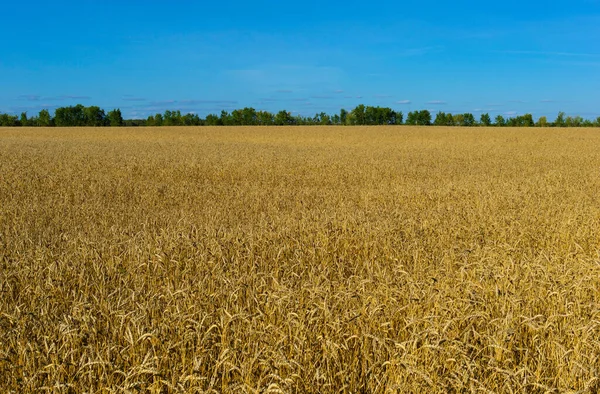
[{"x": 507, "y": 58}]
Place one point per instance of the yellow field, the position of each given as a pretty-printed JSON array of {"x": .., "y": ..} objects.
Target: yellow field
[{"x": 300, "y": 260}]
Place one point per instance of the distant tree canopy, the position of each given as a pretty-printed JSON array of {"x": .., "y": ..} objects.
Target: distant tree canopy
[
  {"x": 93, "y": 116},
  {"x": 419, "y": 118},
  {"x": 114, "y": 118},
  {"x": 74, "y": 116},
  {"x": 366, "y": 115}
]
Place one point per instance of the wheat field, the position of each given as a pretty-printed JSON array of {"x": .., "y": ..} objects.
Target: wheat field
[{"x": 299, "y": 260}]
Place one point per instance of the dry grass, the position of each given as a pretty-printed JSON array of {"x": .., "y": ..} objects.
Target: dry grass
[{"x": 300, "y": 260}]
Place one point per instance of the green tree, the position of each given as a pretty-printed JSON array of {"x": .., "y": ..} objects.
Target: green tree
[
  {"x": 244, "y": 117},
  {"x": 284, "y": 118},
  {"x": 135, "y": 122},
  {"x": 237, "y": 117},
  {"x": 73, "y": 116},
  {"x": 485, "y": 120},
  {"x": 399, "y": 118},
  {"x": 249, "y": 116},
  {"x": 500, "y": 121},
  {"x": 301, "y": 120},
  {"x": 458, "y": 119},
  {"x": 560, "y": 120},
  {"x": 7, "y": 120},
  {"x": 23, "y": 121},
  {"x": 265, "y": 118},
  {"x": 168, "y": 118},
  {"x": 440, "y": 119},
  {"x": 151, "y": 121},
  {"x": 358, "y": 115},
  {"x": 380, "y": 116},
  {"x": 115, "y": 119},
  {"x": 576, "y": 121},
  {"x": 191, "y": 119},
  {"x": 172, "y": 118},
  {"x": 468, "y": 120},
  {"x": 94, "y": 116},
  {"x": 542, "y": 122},
  {"x": 343, "y": 116},
  {"x": 324, "y": 119},
  {"x": 527, "y": 120},
  {"x": 44, "y": 119},
  {"x": 213, "y": 120},
  {"x": 422, "y": 118},
  {"x": 226, "y": 118}
]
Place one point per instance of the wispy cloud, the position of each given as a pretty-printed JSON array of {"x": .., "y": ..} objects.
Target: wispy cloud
[
  {"x": 30, "y": 97},
  {"x": 339, "y": 91},
  {"x": 76, "y": 97},
  {"x": 285, "y": 99},
  {"x": 550, "y": 101},
  {"x": 163, "y": 102},
  {"x": 551, "y": 53},
  {"x": 192, "y": 102},
  {"x": 403, "y": 102},
  {"x": 436, "y": 102},
  {"x": 32, "y": 109},
  {"x": 35, "y": 97},
  {"x": 133, "y": 98},
  {"x": 321, "y": 97}
]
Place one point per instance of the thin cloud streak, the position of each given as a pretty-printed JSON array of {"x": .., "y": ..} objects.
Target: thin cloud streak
[
  {"x": 35, "y": 97},
  {"x": 76, "y": 97},
  {"x": 214, "y": 102},
  {"x": 550, "y": 53},
  {"x": 30, "y": 97},
  {"x": 133, "y": 99}
]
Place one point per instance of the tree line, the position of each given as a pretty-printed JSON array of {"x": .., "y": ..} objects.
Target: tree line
[
  {"x": 73, "y": 116},
  {"x": 93, "y": 116}
]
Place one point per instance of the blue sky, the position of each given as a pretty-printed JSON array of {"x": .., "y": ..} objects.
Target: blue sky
[{"x": 508, "y": 58}]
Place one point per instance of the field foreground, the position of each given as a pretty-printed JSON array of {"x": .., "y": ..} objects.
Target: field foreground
[{"x": 300, "y": 260}]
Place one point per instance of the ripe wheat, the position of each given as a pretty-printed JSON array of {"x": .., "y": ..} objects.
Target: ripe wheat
[{"x": 300, "y": 260}]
